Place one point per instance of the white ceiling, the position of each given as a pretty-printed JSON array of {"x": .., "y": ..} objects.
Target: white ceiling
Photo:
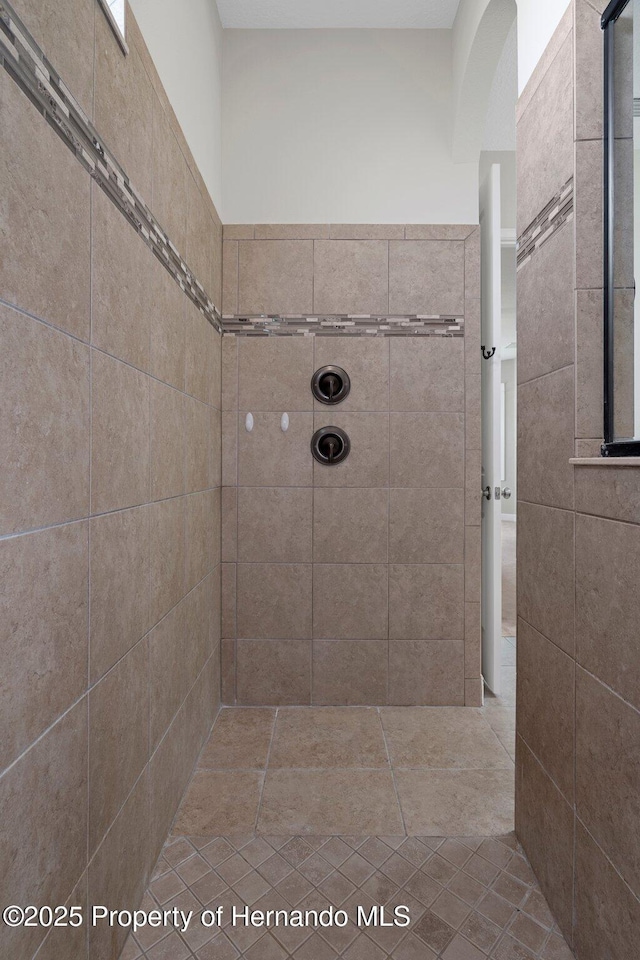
[{"x": 303, "y": 14}]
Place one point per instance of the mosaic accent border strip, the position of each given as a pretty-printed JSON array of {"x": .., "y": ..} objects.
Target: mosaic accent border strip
[
  {"x": 23, "y": 60},
  {"x": 557, "y": 212},
  {"x": 344, "y": 325},
  {"x": 27, "y": 65}
]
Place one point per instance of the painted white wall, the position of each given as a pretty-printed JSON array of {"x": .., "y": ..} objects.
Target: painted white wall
[
  {"x": 500, "y": 123},
  {"x": 185, "y": 42},
  {"x": 344, "y": 126},
  {"x": 479, "y": 36},
  {"x": 537, "y": 21}
]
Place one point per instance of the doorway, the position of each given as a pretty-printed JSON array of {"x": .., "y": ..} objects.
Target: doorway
[{"x": 499, "y": 444}]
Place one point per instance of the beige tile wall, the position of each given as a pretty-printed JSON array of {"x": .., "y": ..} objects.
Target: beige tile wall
[
  {"x": 110, "y": 488},
  {"x": 578, "y": 704},
  {"x": 347, "y": 585}
]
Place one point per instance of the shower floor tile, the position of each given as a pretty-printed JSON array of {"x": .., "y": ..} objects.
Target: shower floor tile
[
  {"x": 354, "y": 770},
  {"x": 446, "y": 802},
  {"x": 220, "y": 798},
  {"x": 311, "y": 807},
  {"x": 322, "y": 802},
  {"x": 449, "y": 885}
]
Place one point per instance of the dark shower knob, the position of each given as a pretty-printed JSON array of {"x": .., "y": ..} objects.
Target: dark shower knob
[
  {"x": 330, "y": 384},
  {"x": 330, "y": 445}
]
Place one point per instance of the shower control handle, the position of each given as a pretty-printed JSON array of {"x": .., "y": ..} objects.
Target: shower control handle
[
  {"x": 330, "y": 385},
  {"x": 330, "y": 445}
]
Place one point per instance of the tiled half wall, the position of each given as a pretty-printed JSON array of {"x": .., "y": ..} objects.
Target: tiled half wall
[
  {"x": 578, "y": 702},
  {"x": 357, "y": 583},
  {"x": 109, "y": 488}
]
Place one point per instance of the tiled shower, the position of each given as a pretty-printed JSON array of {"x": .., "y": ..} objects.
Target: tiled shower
[
  {"x": 128, "y": 465},
  {"x": 169, "y": 545},
  {"x": 357, "y": 582}
]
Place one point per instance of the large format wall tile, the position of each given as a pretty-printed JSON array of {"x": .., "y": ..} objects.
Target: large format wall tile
[
  {"x": 275, "y": 524},
  {"x": 589, "y": 214},
  {"x": 62, "y": 942},
  {"x": 124, "y": 105},
  {"x": 197, "y": 441},
  {"x": 119, "y": 871},
  {"x": 274, "y": 671},
  {"x": 472, "y": 265},
  {"x": 275, "y": 276},
  {"x": 202, "y": 535},
  {"x": 45, "y": 218},
  {"x": 426, "y": 672},
  {"x": 368, "y": 462},
  {"x": 426, "y": 601},
  {"x": 350, "y": 525},
  {"x": 546, "y": 308},
  {"x": 169, "y": 174},
  {"x": 546, "y": 572},
  {"x": 607, "y": 602},
  {"x": 426, "y": 526},
  {"x": 546, "y": 429},
  {"x": 545, "y": 138},
  {"x": 120, "y": 441},
  {"x": 608, "y": 491},
  {"x": 589, "y": 69},
  {"x": 229, "y": 277},
  {"x": 269, "y": 376},
  {"x": 427, "y": 374},
  {"x": 44, "y": 433},
  {"x": 350, "y": 672},
  {"x": 546, "y": 704},
  {"x": 351, "y": 276},
  {"x": 65, "y": 35},
  {"x": 119, "y": 581},
  {"x": 545, "y": 825},
  {"x": 79, "y": 413},
  {"x": 269, "y": 457},
  {"x": 608, "y": 773},
  {"x": 167, "y": 342},
  {"x": 167, "y": 441},
  {"x": 178, "y": 648},
  {"x": 589, "y": 313},
  {"x": 426, "y": 277},
  {"x": 427, "y": 449},
  {"x": 43, "y": 806},
  {"x": 166, "y": 556},
  {"x": 607, "y": 915},
  {"x": 366, "y": 361},
  {"x": 350, "y": 601},
  {"x": 43, "y": 631},
  {"x": 120, "y": 301},
  {"x": 118, "y": 738},
  {"x": 274, "y": 601},
  {"x": 200, "y": 345},
  {"x": 275, "y": 374}
]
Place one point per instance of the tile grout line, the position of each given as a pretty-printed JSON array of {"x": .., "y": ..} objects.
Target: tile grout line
[
  {"x": 266, "y": 770},
  {"x": 392, "y": 771}
]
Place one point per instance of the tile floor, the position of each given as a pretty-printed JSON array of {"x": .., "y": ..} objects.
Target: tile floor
[
  {"x": 436, "y": 771},
  {"x": 303, "y": 808},
  {"x": 468, "y": 899}
]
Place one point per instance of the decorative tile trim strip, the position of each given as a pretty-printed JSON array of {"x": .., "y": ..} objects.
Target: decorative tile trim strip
[
  {"x": 557, "y": 212},
  {"x": 26, "y": 64},
  {"x": 344, "y": 325}
]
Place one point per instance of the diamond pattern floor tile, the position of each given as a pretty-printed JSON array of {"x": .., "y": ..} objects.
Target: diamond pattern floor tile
[{"x": 468, "y": 899}]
